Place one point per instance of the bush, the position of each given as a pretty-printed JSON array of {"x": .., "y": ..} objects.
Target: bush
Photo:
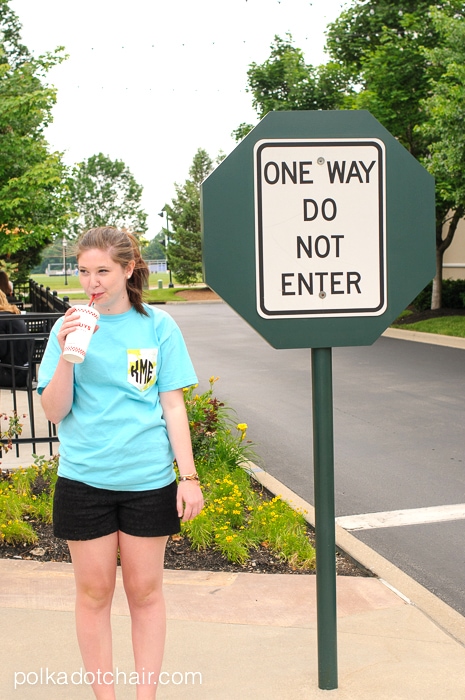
[
  {"x": 236, "y": 518},
  {"x": 453, "y": 296}
]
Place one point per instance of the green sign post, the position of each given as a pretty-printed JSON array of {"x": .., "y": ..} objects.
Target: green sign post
[{"x": 318, "y": 229}]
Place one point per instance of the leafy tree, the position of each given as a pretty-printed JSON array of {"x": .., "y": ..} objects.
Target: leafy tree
[
  {"x": 14, "y": 52},
  {"x": 445, "y": 110},
  {"x": 401, "y": 61},
  {"x": 33, "y": 200},
  {"x": 184, "y": 251},
  {"x": 395, "y": 57},
  {"x": 285, "y": 82},
  {"x": 155, "y": 249},
  {"x": 104, "y": 192}
]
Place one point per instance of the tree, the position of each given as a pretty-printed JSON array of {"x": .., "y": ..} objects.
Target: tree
[
  {"x": 285, "y": 82},
  {"x": 14, "y": 52},
  {"x": 395, "y": 62},
  {"x": 184, "y": 251},
  {"x": 445, "y": 110},
  {"x": 105, "y": 193},
  {"x": 155, "y": 249},
  {"x": 395, "y": 58},
  {"x": 33, "y": 199}
]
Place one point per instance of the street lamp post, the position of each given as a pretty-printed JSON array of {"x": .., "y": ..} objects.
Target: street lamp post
[
  {"x": 65, "y": 243},
  {"x": 167, "y": 242}
]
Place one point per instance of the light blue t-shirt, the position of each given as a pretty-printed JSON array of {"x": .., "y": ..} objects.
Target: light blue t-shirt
[{"x": 115, "y": 435}]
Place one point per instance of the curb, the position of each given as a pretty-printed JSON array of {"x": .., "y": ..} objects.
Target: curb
[
  {"x": 450, "y": 341},
  {"x": 445, "y": 617}
]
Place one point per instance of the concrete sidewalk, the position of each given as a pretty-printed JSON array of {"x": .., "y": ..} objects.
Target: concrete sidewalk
[
  {"x": 231, "y": 636},
  {"x": 247, "y": 636}
]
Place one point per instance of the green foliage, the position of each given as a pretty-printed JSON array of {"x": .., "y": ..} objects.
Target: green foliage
[
  {"x": 285, "y": 82},
  {"x": 445, "y": 109},
  {"x": 26, "y": 496},
  {"x": 33, "y": 197},
  {"x": 14, "y": 52},
  {"x": 402, "y": 63},
  {"x": 184, "y": 251},
  {"x": 104, "y": 192},
  {"x": 358, "y": 30},
  {"x": 444, "y": 325},
  {"x": 237, "y": 518},
  {"x": 155, "y": 249},
  {"x": 395, "y": 81},
  {"x": 453, "y": 292}
]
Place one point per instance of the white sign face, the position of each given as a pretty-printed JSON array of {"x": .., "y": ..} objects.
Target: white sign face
[{"x": 320, "y": 227}]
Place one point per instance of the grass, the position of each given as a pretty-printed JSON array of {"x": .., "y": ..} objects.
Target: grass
[
  {"x": 444, "y": 325},
  {"x": 57, "y": 283},
  {"x": 153, "y": 295},
  {"x": 26, "y": 494}
]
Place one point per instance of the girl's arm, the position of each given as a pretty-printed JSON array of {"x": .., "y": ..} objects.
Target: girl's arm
[
  {"x": 190, "y": 498},
  {"x": 57, "y": 397}
]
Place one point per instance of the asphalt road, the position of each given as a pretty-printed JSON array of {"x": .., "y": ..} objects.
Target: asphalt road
[{"x": 399, "y": 430}]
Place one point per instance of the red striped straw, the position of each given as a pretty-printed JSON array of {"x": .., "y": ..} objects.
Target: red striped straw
[{"x": 91, "y": 300}]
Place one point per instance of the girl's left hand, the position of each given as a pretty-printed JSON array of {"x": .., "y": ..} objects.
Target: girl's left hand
[{"x": 189, "y": 500}]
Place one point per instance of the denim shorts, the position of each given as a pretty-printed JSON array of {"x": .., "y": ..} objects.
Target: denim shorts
[{"x": 82, "y": 512}]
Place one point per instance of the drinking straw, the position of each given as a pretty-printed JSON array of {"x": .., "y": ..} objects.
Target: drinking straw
[{"x": 91, "y": 300}]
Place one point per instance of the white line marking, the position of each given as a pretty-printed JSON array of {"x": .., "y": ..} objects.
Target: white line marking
[{"x": 396, "y": 518}]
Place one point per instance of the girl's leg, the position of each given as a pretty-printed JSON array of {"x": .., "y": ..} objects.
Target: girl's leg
[
  {"x": 94, "y": 563},
  {"x": 142, "y": 560}
]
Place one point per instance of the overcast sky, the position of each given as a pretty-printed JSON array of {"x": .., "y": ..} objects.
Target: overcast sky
[{"x": 150, "y": 82}]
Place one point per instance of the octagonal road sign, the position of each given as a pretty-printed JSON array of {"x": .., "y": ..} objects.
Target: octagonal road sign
[{"x": 319, "y": 228}]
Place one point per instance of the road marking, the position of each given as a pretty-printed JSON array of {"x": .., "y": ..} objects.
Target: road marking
[{"x": 396, "y": 518}]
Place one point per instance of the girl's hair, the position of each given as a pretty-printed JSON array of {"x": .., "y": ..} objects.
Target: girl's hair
[
  {"x": 5, "y": 283},
  {"x": 123, "y": 247},
  {"x": 6, "y": 306}
]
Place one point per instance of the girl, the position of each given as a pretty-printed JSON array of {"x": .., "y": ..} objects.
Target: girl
[{"x": 122, "y": 421}]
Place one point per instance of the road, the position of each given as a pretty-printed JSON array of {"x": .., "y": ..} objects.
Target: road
[{"x": 398, "y": 427}]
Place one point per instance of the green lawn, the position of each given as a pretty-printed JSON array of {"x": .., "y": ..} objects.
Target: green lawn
[
  {"x": 445, "y": 325},
  {"x": 57, "y": 283},
  {"x": 73, "y": 288}
]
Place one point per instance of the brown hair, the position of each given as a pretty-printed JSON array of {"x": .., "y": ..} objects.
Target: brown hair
[
  {"x": 5, "y": 283},
  {"x": 123, "y": 248},
  {"x": 6, "y": 306}
]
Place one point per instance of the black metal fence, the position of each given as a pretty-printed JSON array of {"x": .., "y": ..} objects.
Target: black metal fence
[
  {"x": 19, "y": 377},
  {"x": 44, "y": 300}
]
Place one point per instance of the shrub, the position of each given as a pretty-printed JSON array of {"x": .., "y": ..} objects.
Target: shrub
[{"x": 453, "y": 296}]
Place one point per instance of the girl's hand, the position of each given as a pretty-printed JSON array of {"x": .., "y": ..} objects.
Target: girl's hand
[{"x": 189, "y": 500}]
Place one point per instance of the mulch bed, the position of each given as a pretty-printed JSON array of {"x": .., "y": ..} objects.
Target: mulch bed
[
  {"x": 417, "y": 316},
  {"x": 179, "y": 555},
  {"x": 198, "y": 294}
]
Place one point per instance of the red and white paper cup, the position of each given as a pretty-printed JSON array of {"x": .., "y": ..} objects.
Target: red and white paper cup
[{"x": 77, "y": 342}]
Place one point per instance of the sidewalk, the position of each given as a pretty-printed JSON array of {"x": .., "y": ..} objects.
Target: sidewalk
[{"x": 230, "y": 636}]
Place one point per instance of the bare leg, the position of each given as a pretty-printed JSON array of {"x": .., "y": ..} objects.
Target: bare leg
[
  {"x": 94, "y": 563},
  {"x": 142, "y": 560}
]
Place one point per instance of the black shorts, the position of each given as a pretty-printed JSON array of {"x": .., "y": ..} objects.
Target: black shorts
[{"x": 82, "y": 512}]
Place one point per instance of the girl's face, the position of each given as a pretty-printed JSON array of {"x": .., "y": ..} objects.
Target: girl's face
[{"x": 105, "y": 279}]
